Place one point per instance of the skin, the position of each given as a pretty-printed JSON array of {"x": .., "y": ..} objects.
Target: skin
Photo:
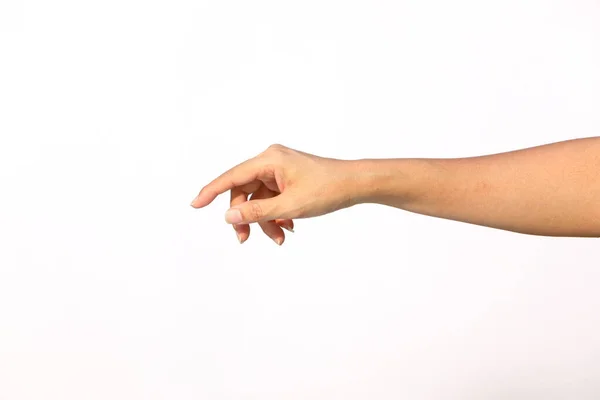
[{"x": 547, "y": 190}]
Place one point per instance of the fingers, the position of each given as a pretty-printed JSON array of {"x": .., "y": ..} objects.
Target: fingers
[
  {"x": 272, "y": 230},
  {"x": 240, "y": 175},
  {"x": 269, "y": 227},
  {"x": 260, "y": 210},
  {"x": 287, "y": 224},
  {"x": 239, "y": 196},
  {"x": 267, "y": 206}
]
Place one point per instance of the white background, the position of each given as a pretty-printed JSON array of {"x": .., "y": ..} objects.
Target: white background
[{"x": 114, "y": 114}]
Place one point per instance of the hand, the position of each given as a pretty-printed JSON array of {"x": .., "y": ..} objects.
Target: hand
[{"x": 283, "y": 184}]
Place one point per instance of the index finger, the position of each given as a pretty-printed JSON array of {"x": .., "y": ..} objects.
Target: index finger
[{"x": 239, "y": 175}]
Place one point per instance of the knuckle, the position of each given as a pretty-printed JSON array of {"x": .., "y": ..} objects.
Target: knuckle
[
  {"x": 255, "y": 211},
  {"x": 273, "y": 149},
  {"x": 276, "y": 153},
  {"x": 276, "y": 149}
]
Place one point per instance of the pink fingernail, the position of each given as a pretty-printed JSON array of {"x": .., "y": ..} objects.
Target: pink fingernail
[{"x": 233, "y": 216}]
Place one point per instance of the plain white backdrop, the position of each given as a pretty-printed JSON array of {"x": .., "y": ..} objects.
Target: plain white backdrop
[{"x": 114, "y": 114}]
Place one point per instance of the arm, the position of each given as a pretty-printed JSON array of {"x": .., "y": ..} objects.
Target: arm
[{"x": 550, "y": 190}]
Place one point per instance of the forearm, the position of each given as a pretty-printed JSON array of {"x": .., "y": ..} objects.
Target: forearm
[{"x": 550, "y": 190}]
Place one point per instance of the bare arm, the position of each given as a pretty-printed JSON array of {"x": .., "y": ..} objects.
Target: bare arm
[{"x": 550, "y": 190}]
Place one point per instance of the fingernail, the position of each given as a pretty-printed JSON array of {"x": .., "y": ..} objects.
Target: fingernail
[
  {"x": 239, "y": 237},
  {"x": 278, "y": 241},
  {"x": 193, "y": 201},
  {"x": 233, "y": 216},
  {"x": 287, "y": 228}
]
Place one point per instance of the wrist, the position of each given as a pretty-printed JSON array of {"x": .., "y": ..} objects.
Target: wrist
[{"x": 393, "y": 182}]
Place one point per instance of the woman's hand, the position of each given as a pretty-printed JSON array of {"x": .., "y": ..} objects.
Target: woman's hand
[{"x": 283, "y": 184}]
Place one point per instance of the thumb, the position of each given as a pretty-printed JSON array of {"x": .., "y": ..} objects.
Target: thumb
[{"x": 256, "y": 211}]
